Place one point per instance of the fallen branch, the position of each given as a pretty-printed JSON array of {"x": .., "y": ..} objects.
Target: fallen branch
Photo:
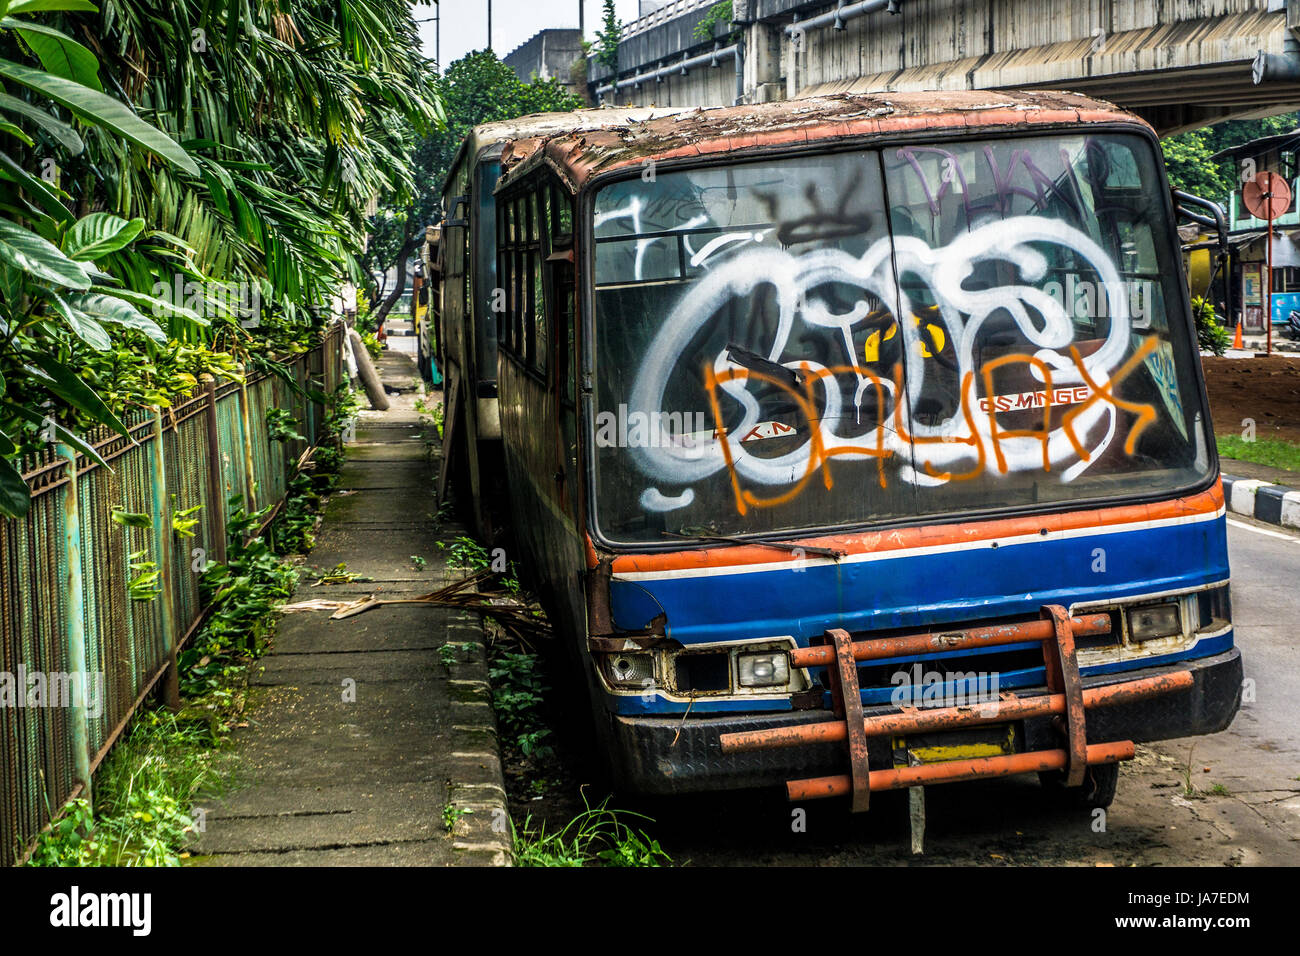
[{"x": 511, "y": 614}]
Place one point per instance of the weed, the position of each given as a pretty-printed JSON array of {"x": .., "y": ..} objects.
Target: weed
[
  {"x": 451, "y": 814},
  {"x": 466, "y": 554},
  {"x": 182, "y": 524},
  {"x": 540, "y": 786},
  {"x": 144, "y": 585},
  {"x": 282, "y": 426},
  {"x": 597, "y": 836},
  {"x": 434, "y": 411},
  {"x": 418, "y": 562},
  {"x": 1219, "y": 790},
  {"x": 144, "y": 798},
  {"x": 517, "y": 693}
]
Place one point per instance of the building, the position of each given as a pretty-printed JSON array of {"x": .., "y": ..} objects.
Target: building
[
  {"x": 1248, "y": 236},
  {"x": 548, "y": 55}
]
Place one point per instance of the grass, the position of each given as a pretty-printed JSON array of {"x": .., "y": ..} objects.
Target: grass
[
  {"x": 145, "y": 797},
  {"x": 1265, "y": 451},
  {"x": 599, "y": 836}
]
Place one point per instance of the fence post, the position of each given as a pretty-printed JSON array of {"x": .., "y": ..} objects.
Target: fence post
[
  {"x": 76, "y": 626},
  {"x": 163, "y": 529},
  {"x": 216, "y": 473},
  {"x": 246, "y": 432}
]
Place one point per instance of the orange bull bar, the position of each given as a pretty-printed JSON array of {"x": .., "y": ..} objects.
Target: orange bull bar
[{"x": 1065, "y": 698}]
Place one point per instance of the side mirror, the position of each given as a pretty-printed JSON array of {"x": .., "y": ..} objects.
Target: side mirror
[{"x": 1211, "y": 216}]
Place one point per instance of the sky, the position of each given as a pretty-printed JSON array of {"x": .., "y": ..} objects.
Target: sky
[{"x": 464, "y": 22}]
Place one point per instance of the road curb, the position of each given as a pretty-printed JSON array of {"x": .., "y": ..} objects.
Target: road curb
[
  {"x": 479, "y": 814},
  {"x": 1263, "y": 501}
]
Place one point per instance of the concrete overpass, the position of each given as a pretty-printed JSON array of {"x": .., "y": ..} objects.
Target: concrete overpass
[{"x": 1180, "y": 64}]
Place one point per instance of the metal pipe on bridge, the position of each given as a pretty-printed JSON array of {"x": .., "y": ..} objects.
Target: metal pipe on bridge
[
  {"x": 840, "y": 15},
  {"x": 712, "y": 58},
  {"x": 1278, "y": 68}
]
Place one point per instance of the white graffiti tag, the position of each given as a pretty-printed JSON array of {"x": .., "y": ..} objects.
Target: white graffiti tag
[{"x": 960, "y": 311}]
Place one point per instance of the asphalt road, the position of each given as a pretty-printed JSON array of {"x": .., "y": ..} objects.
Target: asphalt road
[{"x": 1228, "y": 799}]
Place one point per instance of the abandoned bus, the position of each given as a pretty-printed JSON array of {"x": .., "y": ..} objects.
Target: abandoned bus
[
  {"x": 861, "y": 442},
  {"x": 467, "y": 344}
]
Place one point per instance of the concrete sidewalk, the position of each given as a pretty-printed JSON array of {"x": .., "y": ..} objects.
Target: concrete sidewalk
[{"x": 362, "y": 743}]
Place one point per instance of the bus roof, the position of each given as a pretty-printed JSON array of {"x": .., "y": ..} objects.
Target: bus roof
[
  {"x": 578, "y": 155},
  {"x": 487, "y": 139}
]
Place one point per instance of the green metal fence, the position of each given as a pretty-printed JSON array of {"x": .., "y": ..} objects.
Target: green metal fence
[{"x": 66, "y": 614}]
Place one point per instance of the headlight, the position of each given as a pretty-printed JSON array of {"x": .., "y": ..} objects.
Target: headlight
[
  {"x": 629, "y": 670},
  {"x": 764, "y": 669},
  {"x": 1154, "y": 621}
]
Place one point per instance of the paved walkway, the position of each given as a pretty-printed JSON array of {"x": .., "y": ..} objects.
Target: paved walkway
[{"x": 359, "y": 735}]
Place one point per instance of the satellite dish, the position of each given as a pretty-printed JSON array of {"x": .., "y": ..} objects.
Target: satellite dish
[{"x": 1267, "y": 196}]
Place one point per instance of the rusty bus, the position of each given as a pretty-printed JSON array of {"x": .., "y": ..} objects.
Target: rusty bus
[
  {"x": 467, "y": 339},
  {"x": 861, "y": 442}
]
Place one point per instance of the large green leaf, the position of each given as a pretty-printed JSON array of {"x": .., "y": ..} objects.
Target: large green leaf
[
  {"x": 107, "y": 308},
  {"x": 65, "y": 435},
  {"x": 100, "y": 233},
  {"x": 87, "y": 329},
  {"x": 23, "y": 249},
  {"x": 100, "y": 109},
  {"x": 15, "y": 498},
  {"x": 35, "y": 6},
  {"x": 17, "y": 132},
  {"x": 65, "y": 135},
  {"x": 58, "y": 52},
  {"x": 63, "y": 382},
  {"x": 45, "y": 194},
  {"x": 156, "y": 305}
]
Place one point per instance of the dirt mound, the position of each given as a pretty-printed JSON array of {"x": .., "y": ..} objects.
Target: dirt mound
[{"x": 1265, "y": 389}]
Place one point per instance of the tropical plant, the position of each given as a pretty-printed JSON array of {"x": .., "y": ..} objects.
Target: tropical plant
[
  {"x": 1211, "y": 335},
  {"x": 718, "y": 13},
  {"x": 611, "y": 32},
  {"x": 203, "y": 174},
  {"x": 478, "y": 88}
]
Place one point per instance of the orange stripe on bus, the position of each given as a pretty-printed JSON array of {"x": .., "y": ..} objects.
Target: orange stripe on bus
[{"x": 901, "y": 539}]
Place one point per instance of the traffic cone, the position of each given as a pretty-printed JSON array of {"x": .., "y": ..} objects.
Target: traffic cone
[{"x": 1236, "y": 338}]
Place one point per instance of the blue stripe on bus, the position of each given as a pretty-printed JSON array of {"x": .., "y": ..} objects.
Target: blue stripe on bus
[{"x": 923, "y": 590}]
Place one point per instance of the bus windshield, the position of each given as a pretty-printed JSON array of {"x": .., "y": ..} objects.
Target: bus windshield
[{"x": 841, "y": 339}]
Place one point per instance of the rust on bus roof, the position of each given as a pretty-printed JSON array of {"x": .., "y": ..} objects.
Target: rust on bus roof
[
  {"x": 628, "y": 140},
  {"x": 485, "y": 138}
]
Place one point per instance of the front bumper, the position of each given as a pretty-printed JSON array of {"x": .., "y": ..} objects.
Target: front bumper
[{"x": 654, "y": 763}]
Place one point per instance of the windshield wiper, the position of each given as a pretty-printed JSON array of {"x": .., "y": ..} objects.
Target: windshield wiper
[
  {"x": 778, "y": 545},
  {"x": 756, "y": 363}
]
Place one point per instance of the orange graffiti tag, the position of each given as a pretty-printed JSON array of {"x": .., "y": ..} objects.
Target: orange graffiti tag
[{"x": 819, "y": 455}]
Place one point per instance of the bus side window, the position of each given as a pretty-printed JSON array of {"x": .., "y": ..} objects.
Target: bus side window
[
  {"x": 499, "y": 304},
  {"x": 519, "y": 286},
  {"x": 533, "y": 317},
  {"x": 562, "y": 301}
]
